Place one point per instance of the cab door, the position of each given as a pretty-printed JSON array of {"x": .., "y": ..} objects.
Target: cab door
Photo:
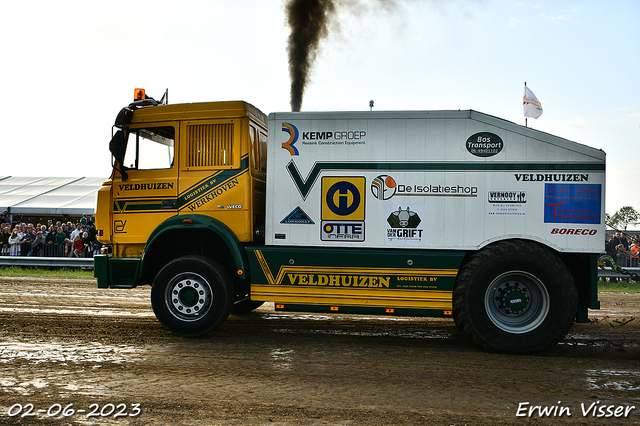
[
  {"x": 214, "y": 175},
  {"x": 147, "y": 192}
]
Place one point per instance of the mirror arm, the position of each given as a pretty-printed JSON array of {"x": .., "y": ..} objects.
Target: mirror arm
[{"x": 121, "y": 169}]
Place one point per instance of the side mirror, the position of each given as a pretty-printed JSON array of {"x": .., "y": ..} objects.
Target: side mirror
[{"x": 118, "y": 146}]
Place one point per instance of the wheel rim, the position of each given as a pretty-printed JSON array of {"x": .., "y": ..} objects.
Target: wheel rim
[
  {"x": 517, "y": 302},
  {"x": 189, "y": 296}
]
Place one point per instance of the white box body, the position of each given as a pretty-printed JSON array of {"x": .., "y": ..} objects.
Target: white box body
[{"x": 441, "y": 180}]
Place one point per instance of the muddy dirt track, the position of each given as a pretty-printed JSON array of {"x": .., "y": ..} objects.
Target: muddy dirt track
[{"x": 101, "y": 357}]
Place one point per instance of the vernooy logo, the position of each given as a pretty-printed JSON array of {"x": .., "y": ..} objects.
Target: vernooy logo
[
  {"x": 293, "y": 138},
  {"x": 383, "y": 187},
  {"x": 507, "y": 197}
]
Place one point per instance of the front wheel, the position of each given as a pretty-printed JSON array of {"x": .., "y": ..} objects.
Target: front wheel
[
  {"x": 515, "y": 296},
  {"x": 192, "y": 295}
]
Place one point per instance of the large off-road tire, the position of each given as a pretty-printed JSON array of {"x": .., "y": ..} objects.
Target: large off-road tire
[
  {"x": 514, "y": 296},
  {"x": 192, "y": 295}
]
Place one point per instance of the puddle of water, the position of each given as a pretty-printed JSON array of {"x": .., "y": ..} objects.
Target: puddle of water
[
  {"x": 616, "y": 380},
  {"x": 407, "y": 334},
  {"x": 297, "y": 317},
  {"x": 59, "y": 384},
  {"x": 281, "y": 359},
  {"x": 317, "y": 317},
  {"x": 93, "y": 312},
  {"x": 64, "y": 353},
  {"x": 74, "y": 356},
  {"x": 414, "y": 333}
]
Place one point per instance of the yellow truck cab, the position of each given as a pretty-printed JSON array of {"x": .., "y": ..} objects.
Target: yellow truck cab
[{"x": 187, "y": 179}]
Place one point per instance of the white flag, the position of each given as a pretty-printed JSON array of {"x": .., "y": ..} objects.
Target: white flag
[{"x": 530, "y": 104}]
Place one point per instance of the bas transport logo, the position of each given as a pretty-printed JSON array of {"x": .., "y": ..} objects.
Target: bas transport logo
[{"x": 293, "y": 138}]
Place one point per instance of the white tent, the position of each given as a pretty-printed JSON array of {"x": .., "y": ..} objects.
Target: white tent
[{"x": 44, "y": 195}]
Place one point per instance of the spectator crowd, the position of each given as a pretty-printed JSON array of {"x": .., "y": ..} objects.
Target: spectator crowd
[
  {"x": 625, "y": 251},
  {"x": 51, "y": 240},
  {"x": 79, "y": 240}
]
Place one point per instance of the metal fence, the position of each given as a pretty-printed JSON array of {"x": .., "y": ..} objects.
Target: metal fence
[
  {"x": 39, "y": 262},
  {"x": 87, "y": 262},
  {"x": 608, "y": 273}
]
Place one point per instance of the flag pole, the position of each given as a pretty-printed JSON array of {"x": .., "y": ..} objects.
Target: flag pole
[{"x": 525, "y": 118}]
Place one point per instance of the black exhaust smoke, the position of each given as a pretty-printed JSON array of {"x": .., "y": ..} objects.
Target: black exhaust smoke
[{"x": 308, "y": 20}]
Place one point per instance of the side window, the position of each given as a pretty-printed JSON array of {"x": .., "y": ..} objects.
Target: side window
[
  {"x": 252, "y": 147},
  {"x": 263, "y": 152},
  {"x": 255, "y": 148},
  {"x": 150, "y": 148}
]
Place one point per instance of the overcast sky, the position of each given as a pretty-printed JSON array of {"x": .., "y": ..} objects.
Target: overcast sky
[{"x": 69, "y": 66}]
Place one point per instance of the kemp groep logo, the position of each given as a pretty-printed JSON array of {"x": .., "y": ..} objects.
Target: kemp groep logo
[{"x": 293, "y": 138}]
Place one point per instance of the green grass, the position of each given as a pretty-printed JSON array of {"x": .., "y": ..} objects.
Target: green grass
[
  {"x": 37, "y": 272},
  {"x": 619, "y": 287}
]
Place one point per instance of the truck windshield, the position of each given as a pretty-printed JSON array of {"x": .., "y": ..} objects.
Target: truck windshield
[{"x": 150, "y": 148}]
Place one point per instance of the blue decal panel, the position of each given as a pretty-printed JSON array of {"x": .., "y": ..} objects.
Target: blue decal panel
[{"x": 572, "y": 203}]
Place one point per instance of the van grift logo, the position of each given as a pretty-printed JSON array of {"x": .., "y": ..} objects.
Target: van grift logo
[
  {"x": 383, "y": 187},
  {"x": 403, "y": 225},
  {"x": 293, "y": 138}
]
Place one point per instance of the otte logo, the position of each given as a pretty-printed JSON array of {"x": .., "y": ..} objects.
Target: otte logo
[
  {"x": 342, "y": 231},
  {"x": 484, "y": 144},
  {"x": 293, "y": 138},
  {"x": 342, "y": 198},
  {"x": 342, "y": 209},
  {"x": 383, "y": 187}
]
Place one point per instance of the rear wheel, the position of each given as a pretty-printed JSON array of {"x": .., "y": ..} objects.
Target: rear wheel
[
  {"x": 192, "y": 295},
  {"x": 515, "y": 296}
]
